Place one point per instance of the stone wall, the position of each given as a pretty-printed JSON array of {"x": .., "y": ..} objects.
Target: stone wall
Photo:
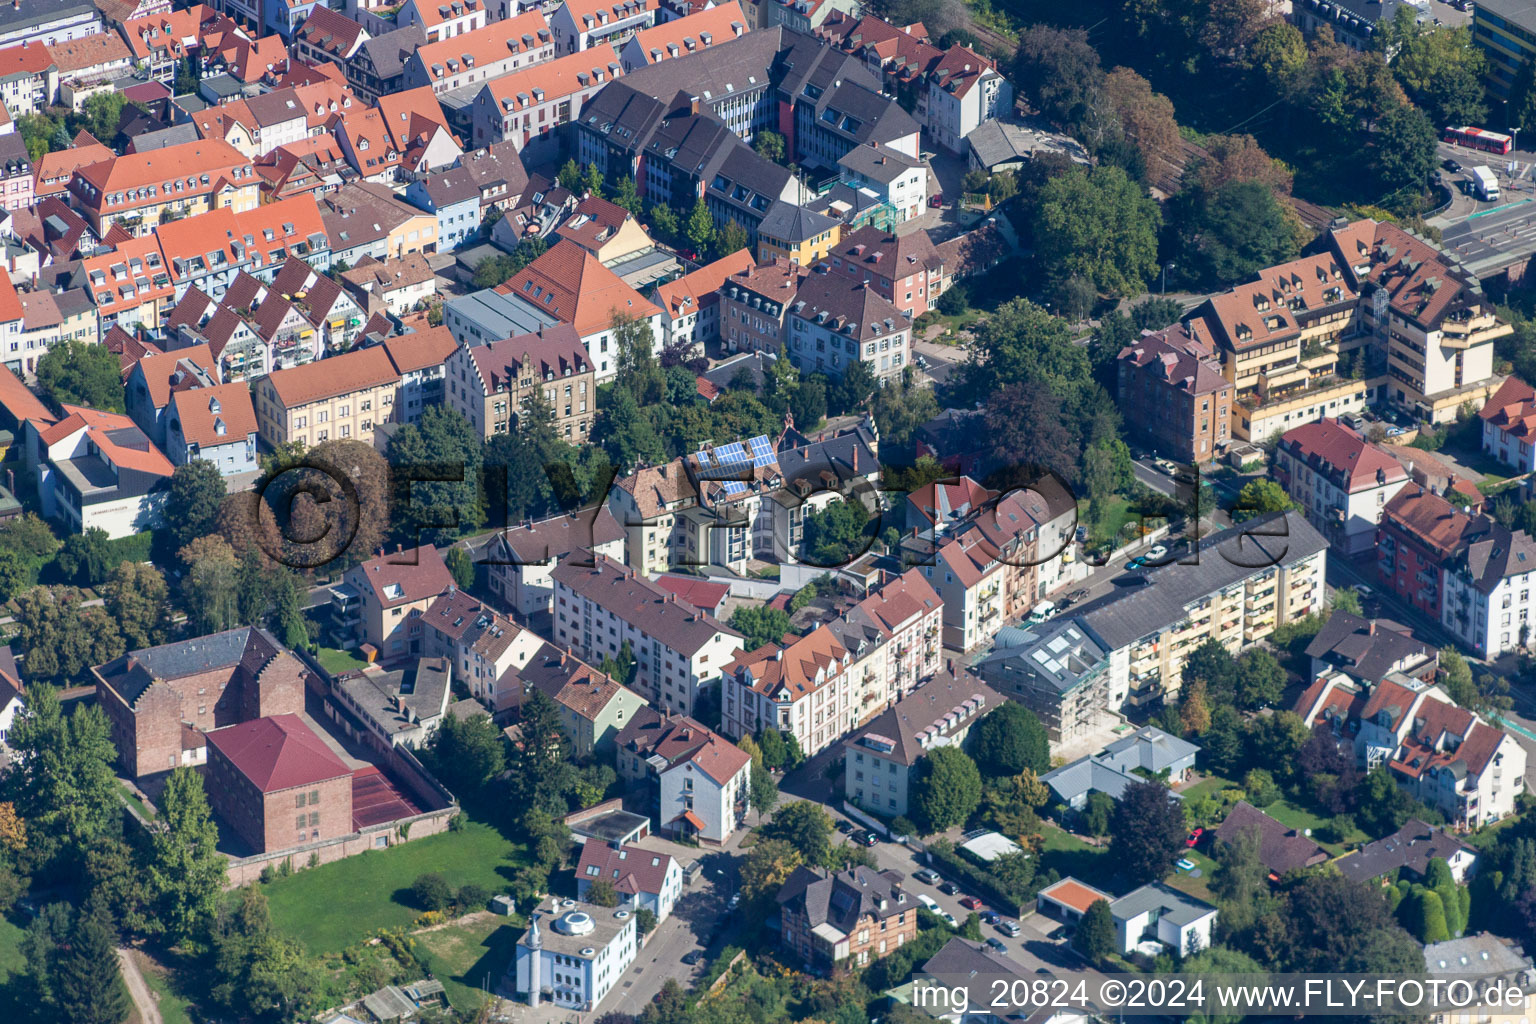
[{"x": 248, "y": 869}]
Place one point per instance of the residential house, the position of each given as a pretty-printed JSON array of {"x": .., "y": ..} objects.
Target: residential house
[
  {"x": 853, "y": 917},
  {"x": 400, "y": 705},
  {"x": 601, "y": 608},
  {"x": 588, "y": 24},
  {"x": 1172, "y": 390},
  {"x": 367, "y": 219},
  {"x": 1163, "y": 915},
  {"x": 965, "y": 90},
  {"x": 162, "y": 40},
  {"x": 1421, "y": 533},
  {"x": 1341, "y": 481},
  {"x": 643, "y": 879},
  {"x": 394, "y": 286},
  {"x": 794, "y": 234},
  {"x": 1407, "y": 852},
  {"x": 572, "y": 285},
  {"x": 594, "y": 707},
  {"x": 130, "y": 285},
  {"x": 500, "y": 175},
  {"x": 341, "y": 397},
  {"x": 421, "y": 359},
  {"x": 906, "y": 270},
  {"x": 160, "y": 701},
  {"x": 1067, "y": 687},
  {"x": 216, "y": 424},
  {"x": 754, "y": 305},
  {"x": 834, "y": 322},
  {"x": 53, "y": 172},
  {"x": 690, "y": 304},
  {"x": 439, "y": 19},
  {"x": 879, "y": 759},
  {"x": 1366, "y": 651},
  {"x": 896, "y": 180},
  {"x": 1130, "y": 759},
  {"x": 492, "y": 385},
  {"x": 1282, "y": 849},
  {"x": 454, "y": 198},
  {"x": 525, "y": 107},
  {"x": 519, "y": 560},
  {"x": 807, "y": 688},
  {"x": 385, "y": 597},
  {"x": 98, "y": 469},
  {"x": 328, "y": 36},
  {"x": 1450, "y": 758},
  {"x": 155, "y": 378},
  {"x": 1509, "y": 425},
  {"x": 699, "y": 781},
  {"x": 484, "y": 647},
  {"x": 29, "y": 79},
  {"x": 47, "y": 23},
  {"x": 377, "y": 67},
  {"x": 500, "y": 48},
  {"x": 135, "y": 191},
  {"x": 606, "y": 230},
  {"x": 88, "y": 65}
]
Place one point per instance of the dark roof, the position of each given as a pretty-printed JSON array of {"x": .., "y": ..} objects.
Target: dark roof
[
  {"x": 246, "y": 646},
  {"x": 895, "y": 733},
  {"x": 653, "y": 610},
  {"x": 1499, "y": 555},
  {"x": 1413, "y": 846},
  {"x": 14, "y": 17},
  {"x": 278, "y": 753},
  {"x": 498, "y": 164},
  {"x": 455, "y": 185},
  {"x": 787, "y": 222},
  {"x": 843, "y": 899},
  {"x": 1281, "y": 848},
  {"x": 721, "y": 70},
  {"x": 848, "y": 303},
  {"x": 556, "y": 537},
  {"x": 390, "y": 51},
  {"x": 1363, "y": 649}
]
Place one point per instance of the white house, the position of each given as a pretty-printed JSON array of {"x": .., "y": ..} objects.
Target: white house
[
  {"x": 1342, "y": 481},
  {"x": 1509, "y": 425},
  {"x": 963, "y": 91},
  {"x": 98, "y": 469},
  {"x": 573, "y": 954},
  {"x": 643, "y": 879},
  {"x": 1160, "y": 913},
  {"x": 1486, "y": 592},
  {"x": 701, "y": 779},
  {"x": 520, "y": 561},
  {"x": 11, "y": 703}
]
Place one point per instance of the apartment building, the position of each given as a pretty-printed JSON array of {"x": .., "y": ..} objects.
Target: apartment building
[
  {"x": 382, "y": 601},
  {"x": 484, "y": 647},
  {"x": 367, "y": 219},
  {"x": 497, "y": 49},
  {"x": 906, "y": 270},
  {"x": 852, "y": 917},
  {"x": 1341, "y": 481},
  {"x": 1420, "y": 535},
  {"x": 1244, "y": 582},
  {"x": 162, "y": 40},
  {"x": 98, "y": 469},
  {"x": 879, "y": 759},
  {"x": 896, "y": 181},
  {"x": 1067, "y": 687},
  {"x": 1171, "y": 389},
  {"x": 397, "y": 286},
  {"x": 525, "y": 107},
  {"x": 49, "y": 23},
  {"x": 421, "y": 359},
  {"x": 754, "y": 306},
  {"x": 1487, "y": 593},
  {"x": 137, "y": 190},
  {"x": 791, "y": 232},
  {"x": 594, "y": 707},
  {"x": 453, "y": 197},
  {"x": 494, "y": 385},
  {"x": 1446, "y": 756},
  {"x": 835, "y": 322},
  {"x": 691, "y": 305},
  {"x": 377, "y": 68},
  {"x": 602, "y": 608},
  {"x": 519, "y": 561},
  {"x": 679, "y": 37},
  {"x": 327, "y": 36},
  {"x": 217, "y": 425},
  {"x": 437, "y": 19},
  {"x": 590, "y": 24},
  {"x": 811, "y": 688},
  {"x": 697, "y": 781},
  {"x": 965, "y": 89},
  {"x": 130, "y": 285},
  {"x": 340, "y": 398},
  {"x": 29, "y": 78},
  {"x": 895, "y": 632},
  {"x": 1509, "y": 425}
]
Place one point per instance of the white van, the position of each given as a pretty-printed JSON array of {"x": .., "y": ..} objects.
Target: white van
[{"x": 928, "y": 902}]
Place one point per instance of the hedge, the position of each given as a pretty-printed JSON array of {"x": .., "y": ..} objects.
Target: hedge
[
  {"x": 133, "y": 548},
  {"x": 979, "y": 880}
]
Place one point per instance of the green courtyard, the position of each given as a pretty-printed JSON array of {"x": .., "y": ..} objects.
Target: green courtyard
[{"x": 334, "y": 905}]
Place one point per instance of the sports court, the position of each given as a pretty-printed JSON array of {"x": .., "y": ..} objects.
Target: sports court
[{"x": 376, "y": 799}]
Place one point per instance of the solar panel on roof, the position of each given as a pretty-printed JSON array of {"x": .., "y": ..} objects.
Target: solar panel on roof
[{"x": 733, "y": 487}]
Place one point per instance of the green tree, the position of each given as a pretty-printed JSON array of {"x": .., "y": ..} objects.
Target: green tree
[
  {"x": 766, "y": 867},
  {"x": 1278, "y": 55},
  {"x": 1099, "y": 224},
  {"x": 765, "y": 791},
  {"x": 540, "y": 769},
  {"x": 592, "y": 180},
  {"x": 602, "y": 894},
  {"x": 1058, "y": 70},
  {"x": 1231, "y": 234},
  {"x": 570, "y": 175},
  {"x": 899, "y": 409},
  {"x": 1021, "y": 343},
  {"x": 771, "y": 743},
  {"x": 1422, "y": 914},
  {"x": 838, "y": 533},
  {"x": 467, "y": 753},
  {"x": 700, "y": 229},
  {"x": 1095, "y": 935},
  {"x": 60, "y": 639},
  {"x": 1258, "y": 497},
  {"x": 1146, "y": 832},
  {"x": 192, "y": 506},
  {"x": 431, "y": 891},
  {"x": 77, "y": 373},
  {"x": 1259, "y": 680},
  {"x": 760, "y": 626},
  {"x": 210, "y": 588},
  {"x": 101, "y": 113},
  {"x": 1010, "y": 740},
  {"x": 664, "y": 224},
  {"x": 805, "y": 826},
  {"x": 16, "y": 575},
  {"x": 1404, "y": 150},
  {"x": 946, "y": 789},
  {"x": 1347, "y": 600},
  {"x": 292, "y": 625},
  {"x": 731, "y": 238},
  {"x": 84, "y": 559},
  {"x": 87, "y": 985},
  {"x": 1442, "y": 70},
  {"x": 1384, "y": 807},
  {"x": 627, "y": 194},
  {"x": 770, "y": 145},
  {"x": 852, "y": 390},
  {"x": 461, "y": 566},
  {"x": 445, "y": 448},
  {"x": 186, "y": 870},
  {"x": 1274, "y": 740},
  {"x": 1097, "y": 813}
]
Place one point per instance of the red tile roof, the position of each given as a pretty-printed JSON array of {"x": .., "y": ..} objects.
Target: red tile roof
[
  {"x": 406, "y": 576},
  {"x": 692, "y": 292},
  {"x": 1341, "y": 456},
  {"x": 701, "y": 593},
  {"x": 163, "y": 373},
  {"x": 17, "y": 400},
  {"x": 339, "y": 375},
  {"x": 420, "y": 349},
  {"x": 278, "y": 753},
  {"x": 201, "y": 412},
  {"x": 26, "y": 59},
  {"x": 1513, "y": 409},
  {"x": 572, "y": 285},
  {"x": 632, "y": 869}
]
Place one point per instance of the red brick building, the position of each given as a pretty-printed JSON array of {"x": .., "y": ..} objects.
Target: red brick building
[
  {"x": 277, "y": 784},
  {"x": 159, "y": 701},
  {"x": 1420, "y": 534},
  {"x": 849, "y": 918},
  {"x": 904, "y": 269},
  {"x": 1172, "y": 392}
]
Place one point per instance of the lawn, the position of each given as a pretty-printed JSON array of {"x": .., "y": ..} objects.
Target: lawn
[
  {"x": 131, "y": 798},
  {"x": 173, "y": 1008},
  {"x": 1112, "y": 531},
  {"x": 12, "y": 963},
  {"x": 1069, "y": 855},
  {"x": 1282, "y": 810},
  {"x": 467, "y": 956},
  {"x": 1199, "y": 888},
  {"x": 334, "y": 905},
  {"x": 336, "y": 661}
]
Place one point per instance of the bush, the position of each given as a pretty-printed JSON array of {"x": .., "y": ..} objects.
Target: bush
[
  {"x": 472, "y": 897},
  {"x": 432, "y": 892},
  {"x": 979, "y": 880}
]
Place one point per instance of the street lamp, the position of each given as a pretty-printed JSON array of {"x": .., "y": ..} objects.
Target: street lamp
[
  {"x": 1175, "y": 266},
  {"x": 1514, "y": 146}
]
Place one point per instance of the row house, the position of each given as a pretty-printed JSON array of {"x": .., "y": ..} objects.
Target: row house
[
  {"x": 257, "y": 125},
  {"x": 395, "y": 286},
  {"x": 905, "y": 270},
  {"x": 1341, "y": 481},
  {"x": 1171, "y": 389},
  {"x": 479, "y": 56},
  {"x": 89, "y": 65},
  {"x": 1509, "y": 425},
  {"x": 606, "y": 230},
  {"x": 340, "y": 398},
  {"x": 1446, "y": 756},
  {"x": 364, "y": 218},
  {"x": 587, "y": 24},
  {"x": 327, "y": 36},
  {"x": 215, "y": 424},
  {"x": 754, "y": 306},
  {"x": 483, "y": 645},
  {"x": 56, "y": 22},
  {"x": 896, "y": 635},
  {"x": 454, "y": 199},
  {"x": 834, "y": 323},
  {"x": 53, "y": 172},
  {"x": 406, "y": 134},
  {"x": 377, "y": 68},
  {"x": 437, "y": 19},
  {"x": 810, "y": 688},
  {"x": 526, "y": 106},
  {"x": 499, "y": 173},
  {"x": 161, "y": 41},
  {"x": 698, "y": 781},
  {"x": 312, "y": 168},
  {"x": 421, "y": 359},
  {"x": 139, "y": 190},
  {"x": 130, "y": 285},
  {"x": 691, "y": 304},
  {"x": 593, "y": 706},
  {"x": 682, "y": 36},
  {"x": 493, "y": 385},
  {"x": 48, "y": 318},
  {"x": 519, "y": 561},
  {"x": 29, "y": 78},
  {"x": 155, "y": 379},
  {"x": 605, "y": 608}
]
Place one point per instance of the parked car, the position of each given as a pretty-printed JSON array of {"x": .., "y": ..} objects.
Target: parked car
[
  {"x": 693, "y": 956},
  {"x": 1136, "y": 564},
  {"x": 1078, "y": 595},
  {"x": 869, "y": 839},
  {"x": 1158, "y": 552},
  {"x": 1452, "y": 166},
  {"x": 996, "y": 946},
  {"x": 1009, "y": 928},
  {"x": 972, "y": 903},
  {"x": 948, "y": 919},
  {"x": 929, "y": 903},
  {"x": 845, "y": 827},
  {"x": 936, "y": 200},
  {"x": 928, "y": 875},
  {"x": 949, "y": 889},
  {"x": 1193, "y": 839},
  {"x": 990, "y": 917}
]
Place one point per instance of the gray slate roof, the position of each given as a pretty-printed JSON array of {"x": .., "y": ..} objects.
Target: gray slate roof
[
  {"x": 923, "y": 707},
  {"x": 1177, "y": 907},
  {"x": 1364, "y": 650},
  {"x": 790, "y": 223},
  {"x": 1413, "y": 846},
  {"x": 1057, "y": 654},
  {"x": 1112, "y": 770}
]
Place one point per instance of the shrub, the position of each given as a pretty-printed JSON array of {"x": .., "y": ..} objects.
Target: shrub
[
  {"x": 431, "y": 892},
  {"x": 472, "y": 897}
]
